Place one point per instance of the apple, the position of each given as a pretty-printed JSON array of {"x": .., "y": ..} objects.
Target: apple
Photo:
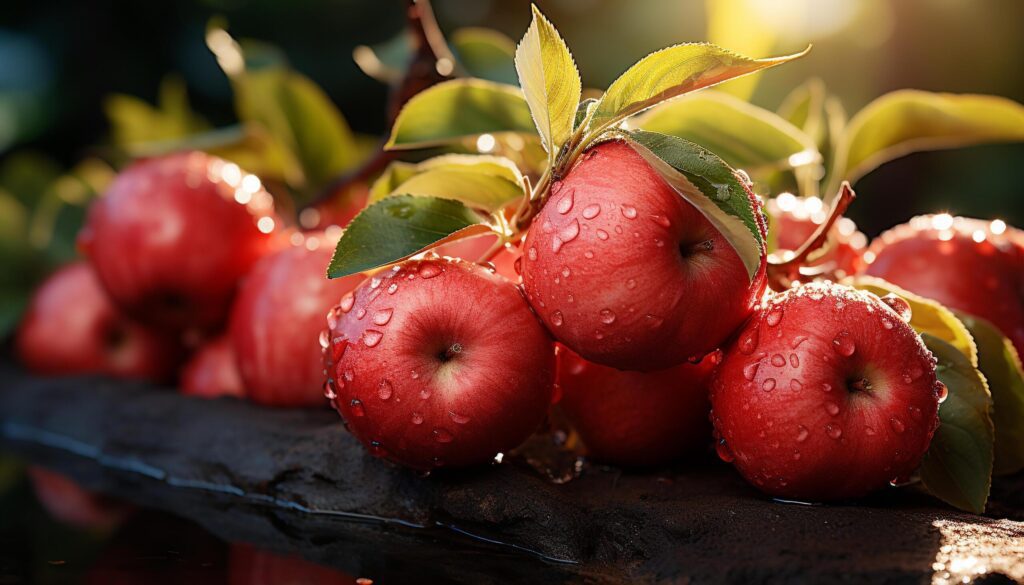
[
  {"x": 173, "y": 235},
  {"x": 827, "y": 393},
  {"x": 966, "y": 264},
  {"x": 248, "y": 565},
  {"x": 71, "y": 327},
  {"x": 636, "y": 419},
  {"x": 69, "y": 503},
  {"x": 278, "y": 318},
  {"x": 472, "y": 249},
  {"x": 438, "y": 362},
  {"x": 212, "y": 372},
  {"x": 794, "y": 220},
  {"x": 628, "y": 274}
]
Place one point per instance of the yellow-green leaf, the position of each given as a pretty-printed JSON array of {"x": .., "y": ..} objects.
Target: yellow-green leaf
[
  {"x": 958, "y": 465},
  {"x": 461, "y": 108},
  {"x": 744, "y": 135},
  {"x": 999, "y": 362},
  {"x": 927, "y": 316},
  {"x": 672, "y": 72},
  {"x": 710, "y": 185},
  {"x": 732, "y": 23},
  {"x": 907, "y": 121},
  {"x": 550, "y": 82},
  {"x": 480, "y": 181},
  {"x": 134, "y": 122},
  {"x": 485, "y": 53},
  {"x": 398, "y": 227}
]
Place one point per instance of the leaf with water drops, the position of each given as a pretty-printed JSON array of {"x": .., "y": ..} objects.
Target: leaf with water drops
[
  {"x": 550, "y": 82},
  {"x": 398, "y": 227},
  {"x": 907, "y": 121},
  {"x": 461, "y": 108},
  {"x": 999, "y": 362},
  {"x": 672, "y": 72},
  {"x": 744, "y": 135},
  {"x": 958, "y": 465},
  {"x": 926, "y": 315},
  {"x": 710, "y": 185},
  {"x": 480, "y": 181}
]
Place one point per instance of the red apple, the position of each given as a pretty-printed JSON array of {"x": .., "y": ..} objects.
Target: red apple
[
  {"x": 795, "y": 219},
  {"x": 251, "y": 566},
  {"x": 967, "y": 264},
  {"x": 628, "y": 274},
  {"x": 71, "y": 327},
  {"x": 67, "y": 502},
  {"x": 636, "y": 418},
  {"x": 438, "y": 362},
  {"x": 173, "y": 235},
  {"x": 826, "y": 394},
  {"x": 278, "y": 317},
  {"x": 212, "y": 371}
]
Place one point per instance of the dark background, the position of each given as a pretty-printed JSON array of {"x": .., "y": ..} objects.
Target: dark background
[{"x": 60, "y": 58}]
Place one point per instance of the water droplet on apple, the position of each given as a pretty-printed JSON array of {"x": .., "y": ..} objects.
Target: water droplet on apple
[
  {"x": 801, "y": 434},
  {"x": 360, "y": 313},
  {"x": 724, "y": 452},
  {"x": 371, "y": 337},
  {"x": 566, "y": 272},
  {"x": 750, "y": 371},
  {"x": 797, "y": 341},
  {"x": 843, "y": 345},
  {"x": 897, "y": 425},
  {"x": 778, "y": 361},
  {"x": 768, "y": 385},
  {"x": 356, "y": 407},
  {"x": 591, "y": 211},
  {"x": 565, "y": 203},
  {"x": 826, "y": 387},
  {"x": 347, "y": 301},
  {"x": 795, "y": 385},
  {"x": 425, "y": 393},
  {"x": 749, "y": 343},
  {"x": 428, "y": 270},
  {"x": 653, "y": 321},
  {"x": 661, "y": 220},
  {"x": 557, "y": 319},
  {"x": 899, "y": 305},
  {"x": 602, "y": 234},
  {"x": 325, "y": 339},
  {"x": 796, "y": 455},
  {"x": 385, "y": 389},
  {"x": 417, "y": 418},
  {"x": 774, "y": 317},
  {"x": 382, "y": 316},
  {"x": 607, "y": 316},
  {"x": 532, "y": 253},
  {"x": 833, "y": 431},
  {"x": 392, "y": 288},
  {"x": 458, "y": 418},
  {"x": 869, "y": 431},
  {"x": 375, "y": 282},
  {"x": 628, "y": 211},
  {"x": 442, "y": 435},
  {"x": 415, "y": 375},
  {"x": 631, "y": 284},
  {"x": 941, "y": 391},
  {"x": 329, "y": 392},
  {"x": 832, "y": 408}
]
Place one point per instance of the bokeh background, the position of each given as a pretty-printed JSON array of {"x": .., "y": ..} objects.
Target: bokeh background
[{"x": 59, "y": 59}]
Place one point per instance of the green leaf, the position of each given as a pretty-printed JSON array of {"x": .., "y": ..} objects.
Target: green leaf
[
  {"x": 907, "y": 121},
  {"x": 550, "y": 82},
  {"x": 958, "y": 465},
  {"x": 461, "y": 108},
  {"x": 804, "y": 106},
  {"x": 711, "y": 185},
  {"x": 744, "y": 135},
  {"x": 672, "y": 72},
  {"x": 398, "y": 227},
  {"x": 583, "y": 112},
  {"x": 999, "y": 362},
  {"x": 927, "y": 316},
  {"x": 485, "y": 53},
  {"x": 480, "y": 181},
  {"x": 134, "y": 122},
  {"x": 27, "y": 175},
  {"x": 386, "y": 62}
]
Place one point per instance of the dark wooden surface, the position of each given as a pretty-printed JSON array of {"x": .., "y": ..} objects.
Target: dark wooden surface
[{"x": 295, "y": 481}]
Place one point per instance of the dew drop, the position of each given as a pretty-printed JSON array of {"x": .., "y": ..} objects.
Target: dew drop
[
  {"x": 569, "y": 232},
  {"x": 360, "y": 313},
  {"x": 749, "y": 342},
  {"x": 347, "y": 301},
  {"x": 442, "y": 435},
  {"x": 722, "y": 191},
  {"x": 826, "y": 387},
  {"x": 631, "y": 284},
  {"x": 385, "y": 390},
  {"x": 796, "y": 456},
  {"x": 329, "y": 392},
  {"x": 607, "y": 316},
  {"x": 332, "y": 318},
  {"x": 532, "y": 253},
  {"x": 458, "y": 418},
  {"x": 653, "y": 321},
  {"x": 591, "y": 211},
  {"x": 750, "y": 371},
  {"x": 372, "y": 337},
  {"x": 425, "y": 393},
  {"x": 356, "y": 407},
  {"x": 724, "y": 452},
  {"x": 565, "y": 203},
  {"x": 773, "y": 317},
  {"x": 899, "y": 305},
  {"x": 325, "y": 339},
  {"x": 414, "y": 374},
  {"x": 802, "y": 434},
  {"x": 833, "y": 431},
  {"x": 797, "y": 341},
  {"x": 795, "y": 385},
  {"x": 661, "y": 220},
  {"x": 794, "y": 360},
  {"x": 602, "y": 234},
  {"x": 941, "y": 391},
  {"x": 768, "y": 385},
  {"x": 869, "y": 431},
  {"x": 628, "y": 211},
  {"x": 417, "y": 418},
  {"x": 588, "y": 255},
  {"x": 832, "y": 408},
  {"x": 897, "y": 425},
  {"x": 566, "y": 272},
  {"x": 557, "y": 319},
  {"x": 843, "y": 345},
  {"x": 429, "y": 270},
  {"x": 375, "y": 282},
  {"x": 778, "y": 361},
  {"x": 392, "y": 288},
  {"x": 382, "y": 316}
]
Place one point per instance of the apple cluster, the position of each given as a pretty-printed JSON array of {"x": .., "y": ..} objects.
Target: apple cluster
[{"x": 623, "y": 312}]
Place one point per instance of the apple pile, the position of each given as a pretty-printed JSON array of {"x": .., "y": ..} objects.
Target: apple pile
[{"x": 626, "y": 289}]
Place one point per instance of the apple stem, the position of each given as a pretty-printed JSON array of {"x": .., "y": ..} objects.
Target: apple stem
[{"x": 781, "y": 274}]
